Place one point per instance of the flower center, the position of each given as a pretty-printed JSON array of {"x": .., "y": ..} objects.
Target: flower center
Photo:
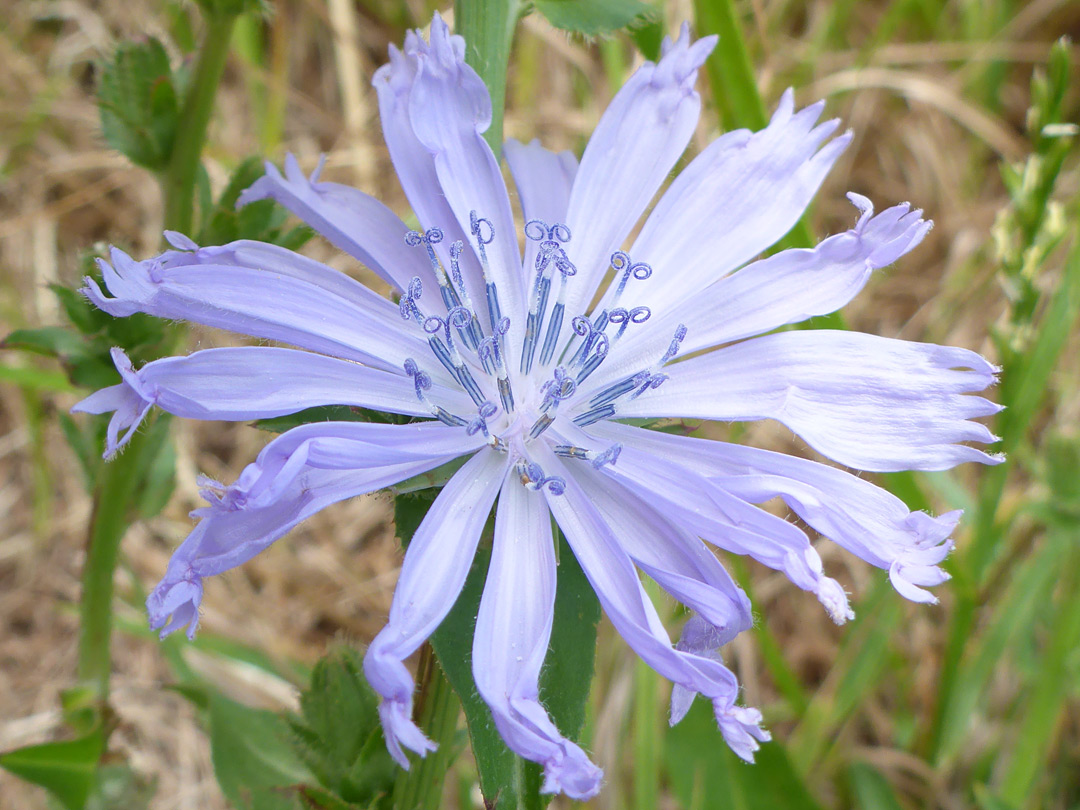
[{"x": 465, "y": 348}]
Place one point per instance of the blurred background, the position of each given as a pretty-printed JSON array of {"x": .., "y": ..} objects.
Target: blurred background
[{"x": 971, "y": 703}]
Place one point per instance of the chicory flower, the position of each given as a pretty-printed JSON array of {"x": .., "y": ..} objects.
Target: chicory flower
[{"x": 502, "y": 360}]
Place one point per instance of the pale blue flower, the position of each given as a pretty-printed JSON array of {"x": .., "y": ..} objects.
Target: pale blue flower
[{"x": 505, "y": 362}]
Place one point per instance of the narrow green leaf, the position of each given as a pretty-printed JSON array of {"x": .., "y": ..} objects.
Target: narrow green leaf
[
  {"x": 871, "y": 790},
  {"x": 66, "y": 769},
  {"x": 564, "y": 682},
  {"x": 592, "y": 18},
  {"x": 36, "y": 379},
  {"x": 1013, "y": 618},
  {"x": 704, "y": 773}
]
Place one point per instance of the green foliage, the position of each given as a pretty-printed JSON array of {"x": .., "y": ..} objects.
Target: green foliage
[
  {"x": 721, "y": 779},
  {"x": 593, "y": 18},
  {"x": 66, "y": 769},
  {"x": 564, "y": 683},
  {"x": 137, "y": 100},
  {"x": 263, "y": 220},
  {"x": 254, "y": 759},
  {"x": 871, "y": 790},
  {"x": 338, "y": 734},
  {"x": 234, "y": 8}
]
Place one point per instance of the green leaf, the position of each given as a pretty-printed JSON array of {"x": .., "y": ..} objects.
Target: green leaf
[
  {"x": 66, "y": 769},
  {"x": 592, "y": 18},
  {"x": 54, "y": 341},
  {"x": 871, "y": 790},
  {"x": 254, "y": 762},
  {"x": 338, "y": 735},
  {"x": 157, "y": 473},
  {"x": 322, "y": 413},
  {"x": 564, "y": 682},
  {"x": 705, "y": 773},
  {"x": 35, "y": 378},
  {"x": 118, "y": 786},
  {"x": 138, "y": 103}
]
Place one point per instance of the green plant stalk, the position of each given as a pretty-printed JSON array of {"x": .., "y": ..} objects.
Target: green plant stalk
[
  {"x": 646, "y": 739},
  {"x": 1026, "y": 396},
  {"x": 112, "y": 508},
  {"x": 178, "y": 182},
  {"x": 488, "y": 28},
  {"x": 119, "y": 484},
  {"x": 421, "y": 787}
]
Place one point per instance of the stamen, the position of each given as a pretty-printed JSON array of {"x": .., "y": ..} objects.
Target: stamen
[
  {"x": 407, "y": 305},
  {"x": 551, "y": 253},
  {"x": 595, "y": 415},
  {"x": 609, "y": 456},
  {"x": 620, "y": 262},
  {"x": 570, "y": 451},
  {"x": 532, "y": 477},
  {"x": 475, "y": 333},
  {"x": 625, "y": 317},
  {"x": 554, "y": 391},
  {"x": 490, "y": 351},
  {"x": 479, "y": 422},
  {"x": 423, "y": 382},
  {"x": 643, "y": 381},
  {"x": 457, "y": 318},
  {"x": 484, "y": 237}
]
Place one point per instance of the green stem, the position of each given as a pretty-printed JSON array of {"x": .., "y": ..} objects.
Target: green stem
[
  {"x": 119, "y": 483},
  {"x": 178, "y": 183},
  {"x": 437, "y": 709},
  {"x": 107, "y": 525},
  {"x": 488, "y": 28}
]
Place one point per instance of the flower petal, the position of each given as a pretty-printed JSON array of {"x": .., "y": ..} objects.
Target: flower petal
[
  {"x": 640, "y": 136},
  {"x": 511, "y": 640},
  {"x": 543, "y": 179},
  {"x": 449, "y": 109},
  {"x": 863, "y": 518},
  {"x": 786, "y": 288},
  {"x": 436, "y": 563},
  {"x": 296, "y": 301},
  {"x": 296, "y": 475},
  {"x": 612, "y": 575},
  {"x": 412, "y": 161},
  {"x": 678, "y": 561},
  {"x": 738, "y": 197},
  {"x": 353, "y": 221},
  {"x": 726, "y": 521},
  {"x": 868, "y": 402},
  {"x": 256, "y": 382}
]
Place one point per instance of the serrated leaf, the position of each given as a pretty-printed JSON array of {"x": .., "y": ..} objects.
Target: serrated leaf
[
  {"x": 66, "y": 769},
  {"x": 254, "y": 762},
  {"x": 592, "y": 18},
  {"x": 137, "y": 100},
  {"x": 338, "y": 735}
]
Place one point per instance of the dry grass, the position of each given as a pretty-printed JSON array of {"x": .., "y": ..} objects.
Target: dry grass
[{"x": 921, "y": 135}]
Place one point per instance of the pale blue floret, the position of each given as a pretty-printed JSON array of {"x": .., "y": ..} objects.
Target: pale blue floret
[{"x": 685, "y": 329}]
